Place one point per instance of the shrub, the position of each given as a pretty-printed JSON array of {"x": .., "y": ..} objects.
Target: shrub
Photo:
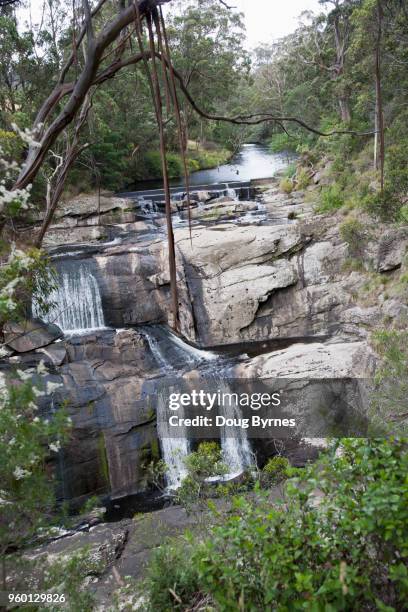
[
  {"x": 404, "y": 213},
  {"x": 290, "y": 171},
  {"x": 302, "y": 178},
  {"x": 205, "y": 462},
  {"x": 171, "y": 579},
  {"x": 26, "y": 441},
  {"x": 349, "y": 552},
  {"x": 275, "y": 471},
  {"x": 281, "y": 142},
  {"x": 330, "y": 199},
  {"x": 353, "y": 233},
  {"x": 286, "y": 185}
]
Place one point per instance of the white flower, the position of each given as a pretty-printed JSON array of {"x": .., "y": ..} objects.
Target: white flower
[
  {"x": 20, "y": 473},
  {"x": 8, "y": 290},
  {"x": 12, "y": 441},
  {"x": 37, "y": 392},
  {"x": 51, "y": 387},
  {"x": 36, "y": 420},
  {"x": 55, "y": 446},
  {"x": 33, "y": 406}
]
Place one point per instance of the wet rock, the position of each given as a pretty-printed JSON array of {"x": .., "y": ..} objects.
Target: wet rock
[
  {"x": 58, "y": 236},
  {"x": 27, "y": 335},
  {"x": 85, "y": 205},
  {"x": 201, "y": 196},
  {"x": 134, "y": 282},
  {"x": 246, "y": 206}
]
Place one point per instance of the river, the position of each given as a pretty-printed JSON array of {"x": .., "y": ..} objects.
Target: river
[{"x": 253, "y": 161}]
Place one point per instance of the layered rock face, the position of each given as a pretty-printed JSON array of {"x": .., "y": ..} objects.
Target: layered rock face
[
  {"x": 242, "y": 283},
  {"x": 280, "y": 281},
  {"x": 237, "y": 283},
  {"x": 114, "y": 431}
]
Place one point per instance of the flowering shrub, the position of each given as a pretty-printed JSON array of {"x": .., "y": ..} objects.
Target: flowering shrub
[
  {"x": 25, "y": 275},
  {"x": 27, "y": 440}
]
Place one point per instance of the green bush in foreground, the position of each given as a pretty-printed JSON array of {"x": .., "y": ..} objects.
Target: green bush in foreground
[
  {"x": 331, "y": 199},
  {"x": 346, "y": 550},
  {"x": 275, "y": 471}
]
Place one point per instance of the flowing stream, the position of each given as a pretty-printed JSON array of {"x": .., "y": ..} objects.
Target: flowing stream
[{"x": 175, "y": 357}]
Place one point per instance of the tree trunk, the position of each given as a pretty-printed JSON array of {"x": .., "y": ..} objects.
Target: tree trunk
[
  {"x": 345, "y": 112},
  {"x": 379, "y": 148}
]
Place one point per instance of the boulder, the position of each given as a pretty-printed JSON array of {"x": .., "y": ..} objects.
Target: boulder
[
  {"x": 27, "y": 335},
  {"x": 221, "y": 200},
  {"x": 85, "y": 205},
  {"x": 312, "y": 361},
  {"x": 55, "y": 354},
  {"x": 392, "y": 249},
  {"x": 246, "y": 206}
]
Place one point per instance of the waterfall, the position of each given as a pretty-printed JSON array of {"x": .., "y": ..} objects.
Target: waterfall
[
  {"x": 237, "y": 451},
  {"x": 231, "y": 193},
  {"x": 174, "y": 450},
  {"x": 163, "y": 344},
  {"x": 175, "y": 356},
  {"x": 77, "y": 299}
]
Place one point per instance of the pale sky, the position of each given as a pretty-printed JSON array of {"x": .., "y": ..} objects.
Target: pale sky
[{"x": 267, "y": 20}]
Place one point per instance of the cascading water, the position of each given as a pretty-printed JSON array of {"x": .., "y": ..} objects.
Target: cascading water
[
  {"x": 148, "y": 207},
  {"x": 175, "y": 356},
  {"x": 77, "y": 299},
  {"x": 237, "y": 451},
  {"x": 174, "y": 450},
  {"x": 231, "y": 193}
]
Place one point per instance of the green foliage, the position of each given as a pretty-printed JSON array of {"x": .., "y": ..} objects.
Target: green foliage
[
  {"x": 207, "y": 461},
  {"x": 171, "y": 579},
  {"x": 286, "y": 185},
  {"x": 290, "y": 171},
  {"x": 281, "y": 142},
  {"x": 390, "y": 205},
  {"x": 347, "y": 552},
  {"x": 331, "y": 199},
  {"x": 275, "y": 471},
  {"x": 302, "y": 178},
  {"x": 352, "y": 231},
  {"x": 26, "y": 277},
  {"x": 26, "y": 442}
]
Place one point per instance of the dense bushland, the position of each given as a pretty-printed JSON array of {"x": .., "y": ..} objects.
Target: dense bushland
[{"x": 338, "y": 541}]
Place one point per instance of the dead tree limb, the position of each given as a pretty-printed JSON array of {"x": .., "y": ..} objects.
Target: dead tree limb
[{"x": 73, "y": 150}]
